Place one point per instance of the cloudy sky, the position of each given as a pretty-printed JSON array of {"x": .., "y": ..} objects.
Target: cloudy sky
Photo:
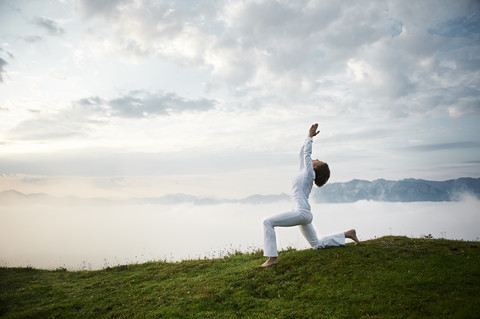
[{"x": 126, "y": 98}]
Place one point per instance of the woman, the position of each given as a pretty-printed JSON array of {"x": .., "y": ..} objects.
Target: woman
[{"x": 310, "y": 171}]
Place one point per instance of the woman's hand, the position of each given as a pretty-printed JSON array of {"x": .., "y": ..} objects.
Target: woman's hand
[{"x": 313, "y": 130}]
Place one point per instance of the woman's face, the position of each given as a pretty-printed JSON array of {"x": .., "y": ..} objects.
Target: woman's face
[{"x": 316, "y": 163}]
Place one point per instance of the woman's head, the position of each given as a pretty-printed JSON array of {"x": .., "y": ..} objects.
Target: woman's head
[{"x": 322, "y": 172}]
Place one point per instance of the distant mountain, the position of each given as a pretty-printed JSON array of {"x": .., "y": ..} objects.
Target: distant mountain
[
  {"x": 407, "y": 190},
  {"x": 170, "y": 199},
  {"x": 264, "y": 199},
  {"x": 13, "y": 197},
  {"x": 183, "y": 198}
]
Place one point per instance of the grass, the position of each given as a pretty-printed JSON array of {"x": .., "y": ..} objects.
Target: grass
[{"x": 389, "y": 277}]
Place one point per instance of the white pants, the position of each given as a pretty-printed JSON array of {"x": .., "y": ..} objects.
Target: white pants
[{"x": 294, "y": 218}]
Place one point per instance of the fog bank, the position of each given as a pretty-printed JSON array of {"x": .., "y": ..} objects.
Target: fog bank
[{"x": 92, "y": 237}]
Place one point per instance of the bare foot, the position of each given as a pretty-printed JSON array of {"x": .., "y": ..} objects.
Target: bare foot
[
  {"x": 270, "y": 261},
  {"x": 352, "y": 234}
]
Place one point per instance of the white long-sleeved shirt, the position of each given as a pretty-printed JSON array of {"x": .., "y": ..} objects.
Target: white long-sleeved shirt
[{"x": 303, "y": 182}]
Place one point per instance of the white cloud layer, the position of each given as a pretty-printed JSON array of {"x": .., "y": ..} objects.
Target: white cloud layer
[{"x": 145, "y": 235}]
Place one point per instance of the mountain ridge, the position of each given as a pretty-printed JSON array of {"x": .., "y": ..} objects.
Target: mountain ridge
[{"x": 406, "y": 190}]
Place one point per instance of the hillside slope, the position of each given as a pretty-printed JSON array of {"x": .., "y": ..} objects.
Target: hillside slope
[{"x": 388, "y": 277}]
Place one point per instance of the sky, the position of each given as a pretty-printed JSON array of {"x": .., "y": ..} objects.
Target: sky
[{"x": 136, "y": 98}]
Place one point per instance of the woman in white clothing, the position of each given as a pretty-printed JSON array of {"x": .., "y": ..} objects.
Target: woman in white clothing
[{"x": 310, "y": 171}]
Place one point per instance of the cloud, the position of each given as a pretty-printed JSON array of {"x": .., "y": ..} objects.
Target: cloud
[
  {"x": 85, "y": 115},
  {"x": 9, "y": 54},
  {"x": 3, "y": 73},
  {"x": 444, "y": 146},
  {"x": 49, "y": 25},
  {"x": 395, "y": 58},
  {"x": 418, "y": 74},
  {"x": 142, "y": 104},
  {"x": 125, "y": 162},
  {"x": 143, "y": 29},
  {"x": 464, "y": 26},
  {"x": 4, "y": 63},
  {"x": 34, "y": 180},
  {"x": 105, "y": 8},
  {"x": 32, "y": 38},
  {"x": 58, "y": 126}
]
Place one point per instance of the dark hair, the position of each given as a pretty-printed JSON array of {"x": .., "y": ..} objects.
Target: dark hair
[{"x": 322, "y": 174}]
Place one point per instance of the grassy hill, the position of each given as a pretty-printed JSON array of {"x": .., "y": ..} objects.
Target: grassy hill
[{"x": 389, "y": 277}]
